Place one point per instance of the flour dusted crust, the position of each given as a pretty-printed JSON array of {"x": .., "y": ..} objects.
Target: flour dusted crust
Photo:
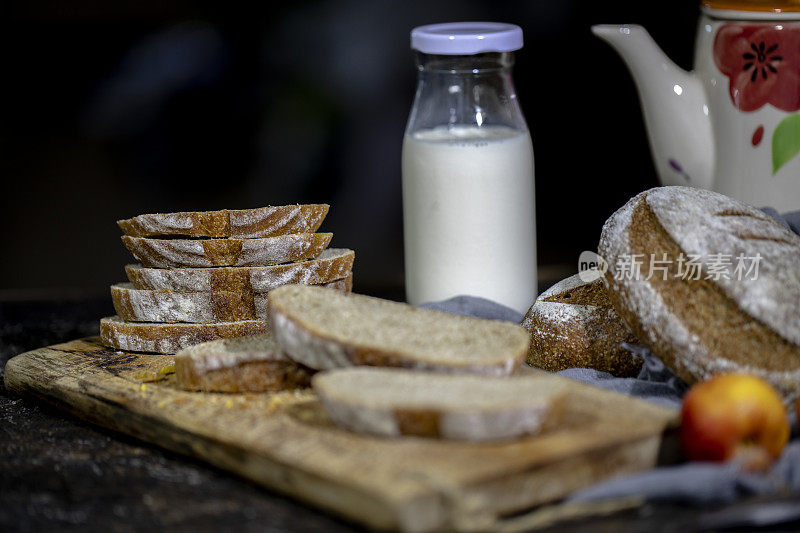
[
  {"x": 332, "y": 264},
  {"x": 706, "y": 327},
  {"x": 572, "y": 324},
  {"x": 703, "y": 222},
  {"x": 170, "y": 253},
  {"x": 243, "y": 364},
  {"x": 242, "y": 223},
  {"x": 136, "y": 305},
  {"x": 394, "y": 402},
  {"x": 170, "y": 338},
  {"x": 326, "y": 329}
]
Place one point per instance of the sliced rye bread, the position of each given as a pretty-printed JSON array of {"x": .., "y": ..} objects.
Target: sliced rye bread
[
  {"x": 393, "y": 402},
  {"x": 707, "y": 326},
  {"x": 134, "y": 305},
  {"x": 169, "y": 338},
  {"x": 573, "y": 324},
  {"x": 330, "y": 265},
  {"x": 241, "y": 223},
  {"x": 325, "y": 329},
  {"x": 242, "y": 364},
  {"x": 171, "y": 253}
]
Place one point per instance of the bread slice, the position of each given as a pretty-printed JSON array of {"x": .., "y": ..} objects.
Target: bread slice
[
  {"x": 242, "y": 364},
  {"x": 572, "y": 324},
  {"x": 170, "y": 253},
  {"x": 711, "y": 321},
  {"x": 134, "y": 305},
  {"x": 393, "y": 402},
  {"x": 241, "y": 223},
  {"x": 325, "y": 329},
  {"x": 170, "y": 338},
  {"x": 330, "y": 265}
]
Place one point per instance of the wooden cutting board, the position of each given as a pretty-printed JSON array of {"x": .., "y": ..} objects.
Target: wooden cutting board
[{"x": 284, "y": 441}]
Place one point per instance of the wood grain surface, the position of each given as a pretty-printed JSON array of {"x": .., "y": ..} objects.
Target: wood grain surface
[{"x": 285, "y": 441}]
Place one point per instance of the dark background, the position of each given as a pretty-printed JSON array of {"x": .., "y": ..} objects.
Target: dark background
[{"x": 111, "y": 109}]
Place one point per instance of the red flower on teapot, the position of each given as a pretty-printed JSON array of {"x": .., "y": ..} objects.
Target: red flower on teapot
[{"x": 762, "y": 62}]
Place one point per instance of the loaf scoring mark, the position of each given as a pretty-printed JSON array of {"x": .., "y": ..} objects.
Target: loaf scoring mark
[
  {"x": 740, "y": 213},
  {"x": 756, "y": 237}
]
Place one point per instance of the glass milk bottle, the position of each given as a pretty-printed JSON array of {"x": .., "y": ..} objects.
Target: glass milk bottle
[{"x": 468, "y": 181}]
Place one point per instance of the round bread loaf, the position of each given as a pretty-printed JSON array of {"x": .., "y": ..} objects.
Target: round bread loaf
[
  {"x": 572, "y": 324},
  {"x": 680, "y": 273}
]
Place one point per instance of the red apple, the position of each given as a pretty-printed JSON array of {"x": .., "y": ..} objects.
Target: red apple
[{"x": 734, "y": 416}]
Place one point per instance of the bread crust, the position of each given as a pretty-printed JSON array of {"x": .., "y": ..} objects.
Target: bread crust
[
  {"x": 134, "y": 305},
  {"x": 172, "y": 253},
  {"x": 699, "y": 326},
  {"x": 243, "y": 223},
  {"x": 170, "y": 338},
  {"x": 332, "y": 264},
  {"x": 573, "y": 324}
]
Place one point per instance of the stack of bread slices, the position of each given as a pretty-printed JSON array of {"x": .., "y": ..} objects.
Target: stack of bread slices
[{"x": 204, "y": 276}]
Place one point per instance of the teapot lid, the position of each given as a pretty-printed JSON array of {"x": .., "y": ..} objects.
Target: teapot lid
[{"x": 773, "y": 6}]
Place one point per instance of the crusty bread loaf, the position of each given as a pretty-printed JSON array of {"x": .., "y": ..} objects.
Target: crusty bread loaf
[
  {"x": 572, "y": 324},
  {"x": 242, "y": 364},
  {"x": 241, "y": 223},
  {"x": 136, "y": 305},
  {"x": 169, "y": 338},
  {"x": 332, "y": 264},
  {"x": 707, "y": 326},
  {"x": 393, "y": 402},
  {"x": 326, "y": 329},
  {"x": 169, "y": 253}
]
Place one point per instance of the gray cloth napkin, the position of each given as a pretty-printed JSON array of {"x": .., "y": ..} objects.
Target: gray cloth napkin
[{"x": 791, "y": 219}]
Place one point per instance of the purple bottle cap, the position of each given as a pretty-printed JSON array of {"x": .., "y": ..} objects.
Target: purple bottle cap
[{"x": 466, "y": 38}]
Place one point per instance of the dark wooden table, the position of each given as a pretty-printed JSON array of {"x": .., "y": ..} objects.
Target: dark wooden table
[{"x": 59, "y": 473}]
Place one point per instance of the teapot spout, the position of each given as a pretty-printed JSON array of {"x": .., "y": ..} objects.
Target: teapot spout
[{"x": 674, "y": 104}]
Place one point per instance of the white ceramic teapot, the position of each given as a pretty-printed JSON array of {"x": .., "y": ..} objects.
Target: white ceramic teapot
[{"x": 732, "y": 125}]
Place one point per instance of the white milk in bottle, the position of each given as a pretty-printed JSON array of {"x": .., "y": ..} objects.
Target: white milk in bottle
[
  {"x": 468, "y": 215},
  {"x": 468, "y": 173}
]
